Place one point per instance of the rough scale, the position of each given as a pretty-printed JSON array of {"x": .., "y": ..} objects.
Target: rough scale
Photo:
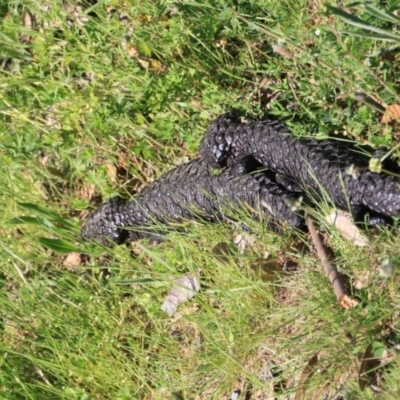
[
  {"x": 328, "y": 169},
  {"x": 193, "y": 190},
  {"x": 228, "y": 176}
]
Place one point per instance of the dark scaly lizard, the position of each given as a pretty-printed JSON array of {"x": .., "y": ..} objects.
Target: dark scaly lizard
[
  {"x": 190, "y": 191},
  {"x": 329, "y": 166},
  {"x": 323, "y": 169}
]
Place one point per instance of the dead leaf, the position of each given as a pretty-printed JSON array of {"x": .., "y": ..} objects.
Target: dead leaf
[
  {"x": 72, "y": 260},
  {"x": 268, "y": 269},
  {"x": 264, "y": 92},
  {"x": 132, "y": 51},
  {"x": 28, "y": 20},
  {"x": 55, "y": 172},
  {"x": 52, "y": 115},
  {"x": 184, "y": 289},
  {"x": 44, "y": 160},
  {"x": 196, "y": 104},
  {"x": 343, "y": 222},
  {"x": 156, "y": 66},
  {"x": 363, "y": 280},
  {"x": 144, "y": 64},
  {"x": 391, "y": 115},
  {"x": 306, "y": 375},
  {"x": 111, "y": 172},
  {"x": 221, "y": 43},
  {"x": 282, "y": 51},
  {"x": 244, "y": 241},
  {"x": 70, "y": 8},
  {"x": 123, "y": 160},
  {"x": 87, "y": 191},
  {"x": 367, "y": 374},
  {"x": 225, "y": 252},
  {"x": 145, "y": 18},
  {"x": 386, "y": 269}
]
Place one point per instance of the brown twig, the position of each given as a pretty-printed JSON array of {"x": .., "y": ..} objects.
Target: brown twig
[{"x": 331, "y": 272}]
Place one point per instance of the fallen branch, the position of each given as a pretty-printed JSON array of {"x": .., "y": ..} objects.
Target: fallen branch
[{"x": 331, "y": 272}]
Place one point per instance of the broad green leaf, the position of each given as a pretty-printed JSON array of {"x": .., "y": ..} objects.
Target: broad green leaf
[
  {"x": 379, "y": 13},
  {"x": 359, "y": 23}
]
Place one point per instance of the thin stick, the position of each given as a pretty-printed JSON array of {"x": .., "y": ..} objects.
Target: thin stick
[{"x": 331, "y": 272}]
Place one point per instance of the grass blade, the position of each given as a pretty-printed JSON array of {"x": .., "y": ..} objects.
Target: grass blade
[
  {"x": 59, "y": 246},
  {"x": 49, "y": 214}
]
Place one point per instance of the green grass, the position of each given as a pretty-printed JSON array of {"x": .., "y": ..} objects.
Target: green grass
[{"x": 103, "y": 98}]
